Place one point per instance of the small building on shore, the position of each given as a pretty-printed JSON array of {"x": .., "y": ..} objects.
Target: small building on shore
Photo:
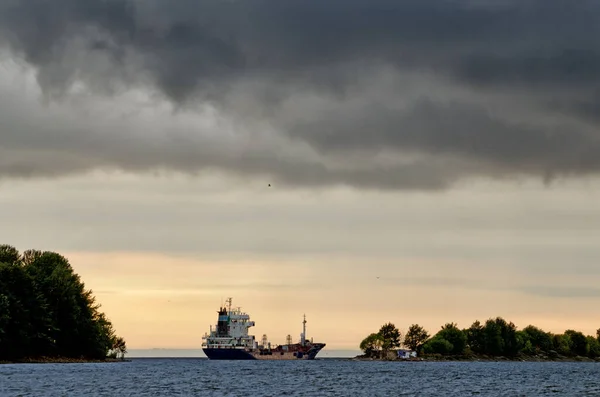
[{"x": 404, "y": 354}]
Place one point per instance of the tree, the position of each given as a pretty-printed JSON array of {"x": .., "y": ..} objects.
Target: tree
[
  {"x": 415, "y": 337},
  {"x": 371, "y": 344},
  {"x": 579, "y": 344},
  {"x": 476, "y": 337},
  {"x": 525, "y": 344},
  {"x": 390, "y": 336},
  {"x": 120, "y": 346},
  {"x": 508, "y": 331},
  {"x": 562, "y": 344},
  {"x": 4, "y": 316},
  {"x": 29, "y": 256},
  {"x": 500, "y": 337},
  {"x": 455, "y": 336},
  {"x": 438, "y": 345},
  {"x": 26, "y": 321},
  {"x": 594, "y": 347},
  {"x": 45, "y": 309},
  {"x": 540, "y": 340},
  {"x": 9, "y": 254}
]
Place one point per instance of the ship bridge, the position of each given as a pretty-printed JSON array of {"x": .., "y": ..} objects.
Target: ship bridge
[{"x": 238, "y": 321}]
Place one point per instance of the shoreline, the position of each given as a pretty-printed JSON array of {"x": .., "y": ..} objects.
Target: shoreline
[
  {"x": 541, "y": 359},
  {"x": 530, "y": 359},
  {"x": 63, "y": 360}
]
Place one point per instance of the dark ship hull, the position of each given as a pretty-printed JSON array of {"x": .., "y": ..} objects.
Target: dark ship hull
[
  {"x": 294, "y": 352},
  {"x": 227, "y": 354}
]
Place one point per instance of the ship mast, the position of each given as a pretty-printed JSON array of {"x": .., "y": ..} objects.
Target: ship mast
[
  {"x": 228, "y": 305},
  {"x": 303, "y": 340}
]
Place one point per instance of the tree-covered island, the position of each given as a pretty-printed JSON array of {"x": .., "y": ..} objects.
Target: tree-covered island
[
  {"x": 496, "y": 339},
  {"x": 47, "y": 315}
]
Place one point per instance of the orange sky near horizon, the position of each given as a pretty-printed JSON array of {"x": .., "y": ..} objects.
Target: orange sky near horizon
[{"x": 161, "y": 301}]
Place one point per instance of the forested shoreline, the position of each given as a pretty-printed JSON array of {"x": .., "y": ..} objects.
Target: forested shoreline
[
  {"x": 496, "y": 339},
  {"x": 47, "y": 314}
]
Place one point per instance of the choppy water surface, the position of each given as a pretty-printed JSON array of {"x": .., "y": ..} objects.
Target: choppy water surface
[{"x": 197, "y": 377}]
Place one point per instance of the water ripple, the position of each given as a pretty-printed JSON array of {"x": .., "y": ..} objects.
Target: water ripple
[{"x": 197, "y": 377}]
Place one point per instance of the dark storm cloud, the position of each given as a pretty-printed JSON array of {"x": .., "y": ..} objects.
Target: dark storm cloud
[{"x": 472, "y": 87}]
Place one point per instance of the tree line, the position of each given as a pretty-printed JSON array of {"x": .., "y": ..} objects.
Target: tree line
[
  {"x": 494, "y": 338},
  {"x": 45, "y": 310}
]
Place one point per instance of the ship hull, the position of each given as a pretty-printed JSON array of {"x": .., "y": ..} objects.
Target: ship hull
[
  {"x": 241, "y": 354},
  {"x": 228, "y": 354},
  {"x": 230, "y": 340}
]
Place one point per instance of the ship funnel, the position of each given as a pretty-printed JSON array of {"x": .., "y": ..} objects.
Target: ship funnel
[{"x": 223, "y": 323}]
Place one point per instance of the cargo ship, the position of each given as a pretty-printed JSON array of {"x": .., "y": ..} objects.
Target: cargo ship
[{"x": 230, "y": 340}]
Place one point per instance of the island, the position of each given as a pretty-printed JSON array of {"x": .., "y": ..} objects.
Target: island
[
  {"x": 47, "y": 314},
  {"x": 494, "y": 340}
]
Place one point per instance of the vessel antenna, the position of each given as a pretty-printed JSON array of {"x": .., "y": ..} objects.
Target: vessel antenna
[
  {"x": 304, "y": 331},
  {"x": 229, "y": 305}
]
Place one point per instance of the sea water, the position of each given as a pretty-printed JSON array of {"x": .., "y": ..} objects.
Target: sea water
[{"x": 325, "y": 377}]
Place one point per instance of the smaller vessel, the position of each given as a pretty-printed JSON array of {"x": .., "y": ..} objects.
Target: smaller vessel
[{"x": 230, "y": 340}]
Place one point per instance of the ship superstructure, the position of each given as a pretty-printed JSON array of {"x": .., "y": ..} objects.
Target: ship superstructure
[{"x": 230, "y": 340}]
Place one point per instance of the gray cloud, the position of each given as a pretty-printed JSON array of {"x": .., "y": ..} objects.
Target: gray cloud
[
  {"x": 545, "y": 291},
  {"x": 378, "y": 93},
  {"x": 555, "y": 291}
]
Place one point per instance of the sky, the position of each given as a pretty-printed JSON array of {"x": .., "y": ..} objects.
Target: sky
[{"x": 356, "y": 161}]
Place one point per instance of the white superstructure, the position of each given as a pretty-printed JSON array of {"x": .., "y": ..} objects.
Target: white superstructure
[{"x": 231, "y": 331}]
